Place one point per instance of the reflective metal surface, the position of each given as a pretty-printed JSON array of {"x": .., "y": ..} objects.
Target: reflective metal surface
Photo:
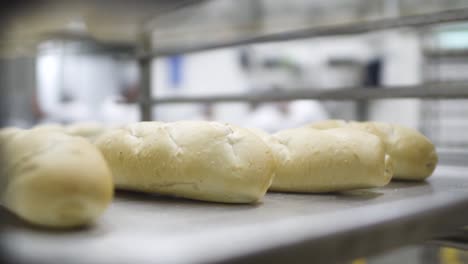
[{"x": 324, "y": 228}]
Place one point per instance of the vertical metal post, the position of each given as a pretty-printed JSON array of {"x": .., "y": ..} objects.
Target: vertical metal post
[
  {"x": 144, "y": 63},
  {"x": 362, "y": 110},
  {"x": 362, "y": 105},
  {"x": 425, "y": 124}
]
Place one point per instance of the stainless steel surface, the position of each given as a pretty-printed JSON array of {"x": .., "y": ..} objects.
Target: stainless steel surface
[
  {"x": 434, "y": 91},
  {"x": 315, "y": 31},
  {"x": 451, "y": 243},
  {"x": 324, "y": 228},
  {"x": 459, "y": 239}
]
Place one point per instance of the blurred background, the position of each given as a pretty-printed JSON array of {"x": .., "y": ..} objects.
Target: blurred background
[
  {"x": 82, "y": 64},
  {"x": 269, "y": 64}
]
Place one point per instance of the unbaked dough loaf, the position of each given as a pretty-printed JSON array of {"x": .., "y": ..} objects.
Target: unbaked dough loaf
[
  {"x": 414, "y": 156},
  {"x": 53, "y": 179},
  {"x": 310, "y": 160},
  {"x": 193, "y": 159}
]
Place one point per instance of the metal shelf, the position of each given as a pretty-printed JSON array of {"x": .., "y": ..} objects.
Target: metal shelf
[
  {"x": 320, "y": 31},
  {"x": 284, "y": 228},
  {"x": 424, "y": 91}
]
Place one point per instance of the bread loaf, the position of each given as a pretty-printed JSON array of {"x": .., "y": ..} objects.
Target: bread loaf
[
  {"x": 310, "y": 160},
  {"x": 51, "y": 127},
  {"x": 414, "y": 156},
  {"x": 193, "y": 159},
  {"x": 53, "y": 179},
  {"x": 8, "y": 132},
  {"x": 89, "y": 130}
]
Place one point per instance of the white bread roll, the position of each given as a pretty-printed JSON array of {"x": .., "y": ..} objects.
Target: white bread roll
[
  {"x": 414, "y": 156},
  {"x": 193, "y": 159},
  {"x": 310, "y": 160},
  {"x": 51, "y": 127},
  {"x": 53, "y": 179},
  {"x": 7, "y": 132},
  {"x": 327, "y": 124},
  {"x": 89, "y": 130}
]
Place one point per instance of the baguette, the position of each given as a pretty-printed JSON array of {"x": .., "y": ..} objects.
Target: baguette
[
  {"x": 192, "y": 159},
  {"x": 315, "y": 161},
  {"x": 88, "y": 130},
  {"x": 414, "y": 156},
  {"x": 52, "y": 179}
]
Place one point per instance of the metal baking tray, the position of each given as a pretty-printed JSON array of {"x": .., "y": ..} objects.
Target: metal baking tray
[{"x": 324, "y": 228}]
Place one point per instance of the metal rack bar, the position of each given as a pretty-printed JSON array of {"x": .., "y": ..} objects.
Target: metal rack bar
[
  {"x": 359, "y": 94},
  {"x": 145, "y": 73},
  {"x": 340, "y": 29},
  {"x": 433, "y": 91},
  {"x": 438, "y": 54}
]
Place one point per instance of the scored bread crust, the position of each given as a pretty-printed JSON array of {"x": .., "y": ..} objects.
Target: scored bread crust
[
  {"x": 414, "y": 156},
  {"x": 193, "y": 159},
  {"x": 53, "y": 179}
]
